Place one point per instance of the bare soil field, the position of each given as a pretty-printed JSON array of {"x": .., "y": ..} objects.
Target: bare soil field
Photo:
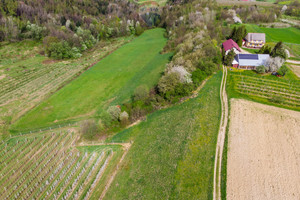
[{"x": 263, "y": 152}]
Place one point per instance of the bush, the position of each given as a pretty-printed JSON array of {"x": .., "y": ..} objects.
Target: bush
[
  {"x": 138, "y": 29},
  {"x": 124, "y": 118},
  {"x": 141, "y": 93},
  {"x": 198, "y": 76},
  {"x": 261, "y": 69},
  {"x": 229, "y": 58},
  {"x": 283, "y": 70},
  {"x": 276, "y": 99},
  {"x": 114, "y": 112},
  {"x": 208, "y": 67},
  {"x": 168, "y": 82},
  {"x": 89, "y": 129}
]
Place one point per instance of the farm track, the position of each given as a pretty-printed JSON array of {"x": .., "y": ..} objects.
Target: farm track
[{"x": 221, "y": 138}]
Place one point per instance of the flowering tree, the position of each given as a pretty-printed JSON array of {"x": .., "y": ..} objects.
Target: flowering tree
[
  {"x": 184, "y": 76},
  {"x": 273, "y": 64}
]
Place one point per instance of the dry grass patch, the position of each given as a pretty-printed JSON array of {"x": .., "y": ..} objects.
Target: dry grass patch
[{"x": 263, "y": 153}]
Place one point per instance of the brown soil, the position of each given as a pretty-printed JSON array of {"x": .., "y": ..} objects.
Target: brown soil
[
  {"x": 263, "y": 152},
  {"x": 296, "y": 69},
  {"x": 2, "y": 76}
]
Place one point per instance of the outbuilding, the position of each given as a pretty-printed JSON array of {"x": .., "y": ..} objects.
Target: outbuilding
[{"x": 250, "y": 61}]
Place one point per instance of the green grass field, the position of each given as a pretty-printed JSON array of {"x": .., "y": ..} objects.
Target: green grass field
[
  {"x": 288, "y": 35},
  {"x": 172, "y": 156},
  {"x": 111, "y": 81}
]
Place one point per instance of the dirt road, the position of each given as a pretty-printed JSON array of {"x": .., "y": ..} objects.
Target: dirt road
[
  {"x": 221, "y": 138},
  {"x": 263, "y": 152}
]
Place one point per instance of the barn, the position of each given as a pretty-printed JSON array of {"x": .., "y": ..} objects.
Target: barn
[{"x": 249, "y": 61}]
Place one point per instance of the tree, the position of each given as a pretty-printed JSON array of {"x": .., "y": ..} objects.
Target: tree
[
  {"x": 283, "y": 70},
  {"x": 114, "y": 112},
  {"x": 198, "y": 76},
  {"x": 141, "y": 93},
  {"x": 278, "y": 51},
  {"x": 168, "y": 82},
  {"x": 261, "y": 69},
  {"x": 88, "y": 129},
  {"x": 273, "y": 64},
  {"x": 238, "y": 34},
  {"x": 184, "y": 76},
  {"x": 229, "y": 58},
  {"x": 265, "y": 50},
  {"x": 124, "y": 118},
  {"x": 138, "y": 29}
]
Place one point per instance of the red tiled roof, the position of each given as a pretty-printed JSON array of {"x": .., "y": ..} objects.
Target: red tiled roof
[{"x": 229, "y": 44}]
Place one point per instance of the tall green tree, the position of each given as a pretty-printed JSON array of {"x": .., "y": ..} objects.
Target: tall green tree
[
  {"x": 229, "y": 58},
  {"x": 278, "y": 51}
]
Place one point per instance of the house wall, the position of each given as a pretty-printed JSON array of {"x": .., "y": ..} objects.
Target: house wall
[
  {"x": 247, "y": 67},
  {"x": 234, "y": 49},
  {"x": 255, "y": 44}
]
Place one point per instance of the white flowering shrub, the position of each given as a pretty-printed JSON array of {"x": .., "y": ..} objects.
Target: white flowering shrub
[{"x": 184, "y": 76}]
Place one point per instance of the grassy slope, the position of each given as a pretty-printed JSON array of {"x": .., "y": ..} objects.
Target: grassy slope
[
  {"x": 173, "y": 151},
  {"x": 289, "y": 35},
  {"x": 113, "y": 78}
]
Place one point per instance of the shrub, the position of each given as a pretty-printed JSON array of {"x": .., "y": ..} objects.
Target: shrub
[
  {"x": 208, "y": 67},
  {"x": 283, "y": 70},
  {"x": 265, "y": 50},
  {"x": 229, "y": 58},
  {"x": 141, "y": 93},
  {"x": 184, "y": 76},
  {"x": 114, "y": 112},
  {"x": 138, "y": 29},
  {"x": 168, "y": 82},
  {"x": 124, "y": 118},
  {"x": 198, "y": 76},
  {"x": 276, "y": 99},
  {"x": 183, "y": 89},
  {"x": 278, "y": 51},
  {"x": 261, "y": 69},
  {"x": 88, "y": 129},
  {"x": 273, "y": 64}
]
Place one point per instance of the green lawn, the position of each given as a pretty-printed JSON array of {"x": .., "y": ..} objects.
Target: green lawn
[
  {"x": 111, "y": 81},
  {"x": 288, "y": 35},
  {"x": 172, "y": 156}
]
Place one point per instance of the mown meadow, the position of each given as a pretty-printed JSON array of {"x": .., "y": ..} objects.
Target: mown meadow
[
  {"x": 111, "y": 81},
  {"x": 289, "y": 36},
  {"x": 173, "y": 151}
]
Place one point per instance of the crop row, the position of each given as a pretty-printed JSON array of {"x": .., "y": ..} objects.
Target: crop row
[
  {"x": 271, "y": 90},
  {"x": 47, "y": 167},
  {"x": 257, "y": 92}
]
